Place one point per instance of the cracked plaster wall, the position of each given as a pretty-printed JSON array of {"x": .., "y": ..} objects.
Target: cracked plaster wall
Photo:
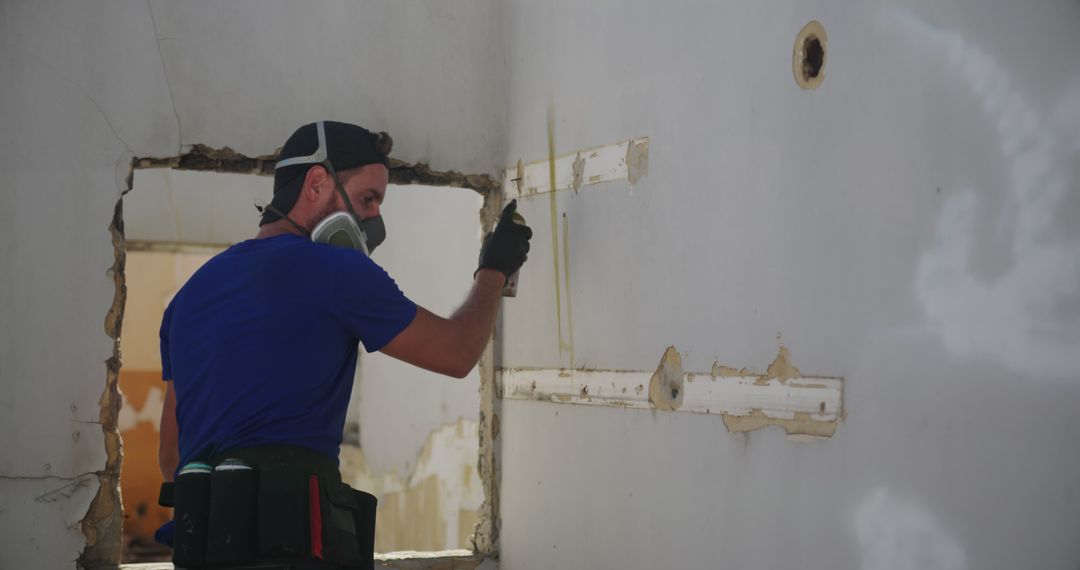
[
  {"x": 87, "y": 87},
  {"x": 912, "y": 226}
]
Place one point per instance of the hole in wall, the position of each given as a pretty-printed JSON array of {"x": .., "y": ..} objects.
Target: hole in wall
[
  {"x": 177, "y": 219},
  {"x": 809, "y": 57},
  {"x": 814, "y": 57}
]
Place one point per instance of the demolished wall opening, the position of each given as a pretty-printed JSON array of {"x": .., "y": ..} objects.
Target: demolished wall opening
[{"x": 166, "y": 224}]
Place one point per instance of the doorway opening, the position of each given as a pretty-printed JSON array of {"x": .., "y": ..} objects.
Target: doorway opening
[{"x": 411, "y": 437}]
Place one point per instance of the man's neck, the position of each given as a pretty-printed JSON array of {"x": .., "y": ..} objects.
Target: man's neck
[{"x": 275, "y": 229}]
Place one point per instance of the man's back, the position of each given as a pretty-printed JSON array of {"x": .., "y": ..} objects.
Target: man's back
[{"x": 261, "y": 343}]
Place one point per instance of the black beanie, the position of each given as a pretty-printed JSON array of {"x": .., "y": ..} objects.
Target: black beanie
[{"x": 347, "y": 146}]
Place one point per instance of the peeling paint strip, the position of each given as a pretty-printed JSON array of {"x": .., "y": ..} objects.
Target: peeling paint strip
[
  {"x": 816, "y": 399},
  {"x": 225, "y": 159},
  {"x": 581, "y": 168}
]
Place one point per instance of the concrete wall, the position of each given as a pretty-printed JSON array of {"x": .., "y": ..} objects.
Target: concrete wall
[
  {"x": 87, "y": 87},
  {"x": 912, "y": 226}
]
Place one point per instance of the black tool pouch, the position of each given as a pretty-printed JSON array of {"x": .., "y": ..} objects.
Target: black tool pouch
[
  {"x": 283, "y": 513},
  {"x": 366, "y": 505},
  {"x": 348, "y": 524}
]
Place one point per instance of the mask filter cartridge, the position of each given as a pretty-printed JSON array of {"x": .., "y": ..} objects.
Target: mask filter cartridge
[{"x": 340, "y": 229}]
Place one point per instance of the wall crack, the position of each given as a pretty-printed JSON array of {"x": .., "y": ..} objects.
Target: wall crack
[
  {"x": 5, "y": 477},
  {"x": 168, "y": 84},
  {"x": 78, "y": 86}
]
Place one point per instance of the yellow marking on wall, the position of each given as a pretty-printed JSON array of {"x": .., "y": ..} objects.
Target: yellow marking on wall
[
  {"x": 569, "y": 295},
  {"x": 554, "y": 229},
  {"x": 564, "y": 345}
]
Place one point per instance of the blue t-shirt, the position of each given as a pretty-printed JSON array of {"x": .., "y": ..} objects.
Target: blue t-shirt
[{"x": 261, "y": 343}]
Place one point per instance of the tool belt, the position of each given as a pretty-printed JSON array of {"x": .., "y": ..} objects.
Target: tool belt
[{"x": 281, "y": 506}]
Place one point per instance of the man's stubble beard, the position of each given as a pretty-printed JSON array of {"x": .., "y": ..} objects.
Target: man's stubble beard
[{"x": 322, "y": 214}]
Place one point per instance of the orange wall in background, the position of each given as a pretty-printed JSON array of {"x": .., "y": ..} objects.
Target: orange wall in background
[
  {"x": 152, "y": 280},
  {"x": 140, "y": 478}
]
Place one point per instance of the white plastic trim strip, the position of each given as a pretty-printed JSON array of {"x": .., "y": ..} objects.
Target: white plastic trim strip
[
  {"x": 600, "y": 164},
  {"x": 821, "y": 398}
]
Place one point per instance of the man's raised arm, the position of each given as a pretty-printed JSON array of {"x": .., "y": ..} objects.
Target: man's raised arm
[{"x": 453, "y": 346}]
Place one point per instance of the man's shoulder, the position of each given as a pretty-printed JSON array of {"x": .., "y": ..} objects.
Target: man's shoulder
[
  {"x": 289, "y": 255},
  {"x": 287, "y": 247},
  {"x": 335, "y": 257},
  {"x": 326, "y": 259}
]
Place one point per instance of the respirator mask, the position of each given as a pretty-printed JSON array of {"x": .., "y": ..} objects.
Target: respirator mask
[{"x": 343, "y": 229}]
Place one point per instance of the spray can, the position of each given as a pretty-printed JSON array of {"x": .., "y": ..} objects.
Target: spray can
[
  {"x": 231, "y": 538},
  {"x": 192, "y": 512},
  {"x": 510, "y": 289}
]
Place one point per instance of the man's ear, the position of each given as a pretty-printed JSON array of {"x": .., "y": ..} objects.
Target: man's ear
[{"x": 315, "y": 182}]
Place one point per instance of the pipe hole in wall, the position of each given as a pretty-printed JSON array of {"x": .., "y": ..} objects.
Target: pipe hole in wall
[
  {"x": 814, "y": 57},
  {"x": 808, "y": 62}
]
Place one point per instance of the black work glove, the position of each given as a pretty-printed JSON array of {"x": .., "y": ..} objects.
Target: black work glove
[{"x": 506, "y": 248}]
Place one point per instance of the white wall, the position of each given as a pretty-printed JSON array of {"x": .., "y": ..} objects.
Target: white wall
[
  {"x": 767, "y": 211},
  {"x": 913, "y": 225},
  {"x": 72, "y": 77},
  {"x": 88, "y": 86}
]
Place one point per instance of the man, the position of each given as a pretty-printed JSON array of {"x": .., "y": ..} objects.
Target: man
[{"x": 259, "y": 347}]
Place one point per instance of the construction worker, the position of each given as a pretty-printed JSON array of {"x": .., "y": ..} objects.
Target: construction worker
[{"x": 259, "y": 352}]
